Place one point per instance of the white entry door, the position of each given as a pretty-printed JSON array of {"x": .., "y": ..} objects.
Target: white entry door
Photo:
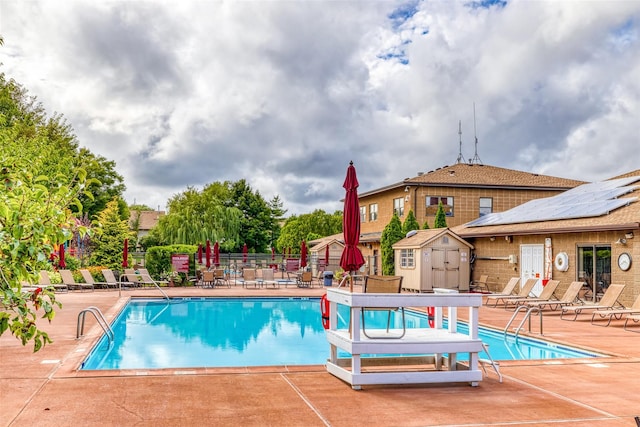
[{"x": 532, "y": 265}]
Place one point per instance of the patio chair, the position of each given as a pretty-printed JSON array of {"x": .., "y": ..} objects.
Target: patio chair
[
  {"x": 67, "y": 279},
  {"x": 383, "y": 285},
  {"x": 304, "y": 279},
  {"x": 268, "y": 278},
  {"x": 524, "y": 292},
  {"x": 45, "y": 280},
  {"x": 633, "y": 317},
  {"x": 570, "y": 297},
  {"x": 249, "y": 277},
  {"x": 480, "y": 285},
  {"x": 508, "y": 290},
  {"x": 221, "y": 278},
  {"x": 88, "y": 278},
  {"x": 616, "y": 313},
  {"x": 547, "y": 294},
  {"x": 208, "y": 279},
  {"x": 111, "y": 280},
  {"x": 608, "y": 301}
]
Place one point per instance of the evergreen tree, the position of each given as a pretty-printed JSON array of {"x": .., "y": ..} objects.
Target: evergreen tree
[
  {"x": 410, "y": 223},
  {"x": 441, "y": 219},
  {"x": 390, "y": 235},
  {"x": 110, "y": 232},
  {"x": 426, "y": 225}
]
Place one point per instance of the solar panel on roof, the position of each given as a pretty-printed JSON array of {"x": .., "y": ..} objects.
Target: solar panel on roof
[{"x": 588, "y": 200}]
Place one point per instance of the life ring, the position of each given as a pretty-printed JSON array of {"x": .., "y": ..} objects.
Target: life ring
[
  {"x": 431, "y": 316},
  {"x": 562, "y": 261},
  {"x": 324, "y": 311}
]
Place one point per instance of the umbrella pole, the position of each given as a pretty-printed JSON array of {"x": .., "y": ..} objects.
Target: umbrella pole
[{"x": 351, "y": 281}]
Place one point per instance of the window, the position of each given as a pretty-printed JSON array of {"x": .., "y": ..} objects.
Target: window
[
  {"x": 406, "y": 258},
  {"x": 486, "y": 205},
  {"x": 363, "y": 213},
  {"x": 398, "y": 206},
  {"x": 373, "y": 212},
  {"x": 432, "y": 205}
]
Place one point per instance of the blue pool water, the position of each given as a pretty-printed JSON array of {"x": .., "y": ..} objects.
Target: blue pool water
[{"x": 224, "y": 332}]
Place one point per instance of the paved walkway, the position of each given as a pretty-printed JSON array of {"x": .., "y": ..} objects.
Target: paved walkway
[{"x": 44, "y": 389}]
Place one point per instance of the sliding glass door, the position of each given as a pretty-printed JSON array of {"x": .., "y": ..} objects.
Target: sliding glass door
[{"x": 594, "y": 268}]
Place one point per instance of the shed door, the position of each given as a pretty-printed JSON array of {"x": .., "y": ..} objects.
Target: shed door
[
  {"x": 532, "y": 265},
  {"x": 445, "y": 268}
]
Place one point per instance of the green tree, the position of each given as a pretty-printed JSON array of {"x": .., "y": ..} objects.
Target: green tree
[
  {"x": 390, "y": 235},
  {"x": 308, "y": 227},
  {"x": 410, "y": 223},
  {"x": 110, "y": 232},
  {"x": 196, "y": 216},
  {"x": 109, "y": 184},
  {"x": 426, "y": 225},
  {"x": 34, "y": 214},
  {"x": 441, "y": 219}
]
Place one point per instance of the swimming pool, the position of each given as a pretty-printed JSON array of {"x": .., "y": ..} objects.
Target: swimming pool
[{"x": 226, "y": 332}]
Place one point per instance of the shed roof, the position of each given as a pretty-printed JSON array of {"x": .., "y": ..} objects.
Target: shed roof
[{"x": 420, "y": 238}]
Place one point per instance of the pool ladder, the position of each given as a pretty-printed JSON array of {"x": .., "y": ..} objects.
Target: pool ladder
[
  {"x": 526, "y": 317},
  {"x": 99, "y": 318}
]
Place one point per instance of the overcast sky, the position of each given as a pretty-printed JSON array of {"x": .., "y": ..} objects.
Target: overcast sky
[{"x": 286, "y": 93}]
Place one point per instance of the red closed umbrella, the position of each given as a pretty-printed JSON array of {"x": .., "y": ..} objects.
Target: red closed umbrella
[
  {"x": 61, "y": 263},
  {"x": 216, "y": 254},
  {"x": 208, "y": 253},
  {"x": 273, "y": 253},
  {"x": 125, "y": 254},
  {"x": 326, "y": 255},
  {"x": 245, "y": 250},
  {"x": 303, "y": 255},
  {"x": 351, "y": 259},
  {"x": 199, "y": 253}
]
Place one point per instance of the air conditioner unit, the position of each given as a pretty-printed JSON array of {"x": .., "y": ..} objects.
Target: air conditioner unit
[{"x": 513, "y": 259}]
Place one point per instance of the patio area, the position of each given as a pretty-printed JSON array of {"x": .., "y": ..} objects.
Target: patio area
[{"x": 45, "y": 389}]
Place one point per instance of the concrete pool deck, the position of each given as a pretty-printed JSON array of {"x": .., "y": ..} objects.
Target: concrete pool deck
[{"x": 45, "y": 388}]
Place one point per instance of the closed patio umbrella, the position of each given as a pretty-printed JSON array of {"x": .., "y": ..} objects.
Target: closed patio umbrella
[
  {"x": 351, "y": 259},
  {"x": 326, "y": 256},
  {"x": 273, "y": 253},
  {"x": 61, "y": 263},
  {"x": 208, "y": 253},
  {"x": 216, "y": 254},
  {"x": 303, "y": 255},
  {"x": 125, "y": 254},
  {"x": 245, "y": 251},
  {"x": 199, "y": 253}
]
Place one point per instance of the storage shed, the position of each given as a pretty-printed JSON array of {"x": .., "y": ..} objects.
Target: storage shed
[{"x": 436, "y": 258}]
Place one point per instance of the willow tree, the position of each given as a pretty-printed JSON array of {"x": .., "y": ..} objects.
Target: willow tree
[
  {"x": 196, "y": 216},
  {"x": 390, "y": 235}
]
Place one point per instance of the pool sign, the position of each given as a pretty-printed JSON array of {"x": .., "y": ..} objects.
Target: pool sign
[{"x": 180, "y": 263}]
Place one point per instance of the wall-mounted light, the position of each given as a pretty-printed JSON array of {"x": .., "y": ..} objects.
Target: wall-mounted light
[
  {"x": 621, "y": 241},
  {"x": 629, "y": 235},
  {"x": 508, "y": 238},
  {"x": 492, "y": 238},
  {"x": 406, "y": 189}
]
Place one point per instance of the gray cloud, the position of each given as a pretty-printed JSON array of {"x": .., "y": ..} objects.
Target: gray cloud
[{"x": 285, "y": 94}]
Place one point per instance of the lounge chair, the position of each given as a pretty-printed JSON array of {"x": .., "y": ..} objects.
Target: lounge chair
[
  {"x": 608, "y": 301},
  {"x": 384, "y": 285},
  {"x": 615, "y": 313},
  {"x": 525, "y": 292},
  {"x": 45, "y": 280},
  {"x": 141, "y": 277},
  {"x": 110, "y": 279},
  {"x": 633, "y": 317},
  {"x": 546, "y": 295},
  {"x": 88, "y": 278},
  {"x": 67, "y": 279},
  {"x": 480, "y": 285},
  {"x": 508, "y": 290},
  {"x": 570, "y": 297},
  {"x": 304, "y": 279}
]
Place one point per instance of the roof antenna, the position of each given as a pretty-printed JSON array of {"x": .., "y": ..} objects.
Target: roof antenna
[
  {"x": 460, "y": 157},
  {"x": 476, "y": 158}
]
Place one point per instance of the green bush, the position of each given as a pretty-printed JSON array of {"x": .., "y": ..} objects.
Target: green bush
[{"x": 158, "y": 259}]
